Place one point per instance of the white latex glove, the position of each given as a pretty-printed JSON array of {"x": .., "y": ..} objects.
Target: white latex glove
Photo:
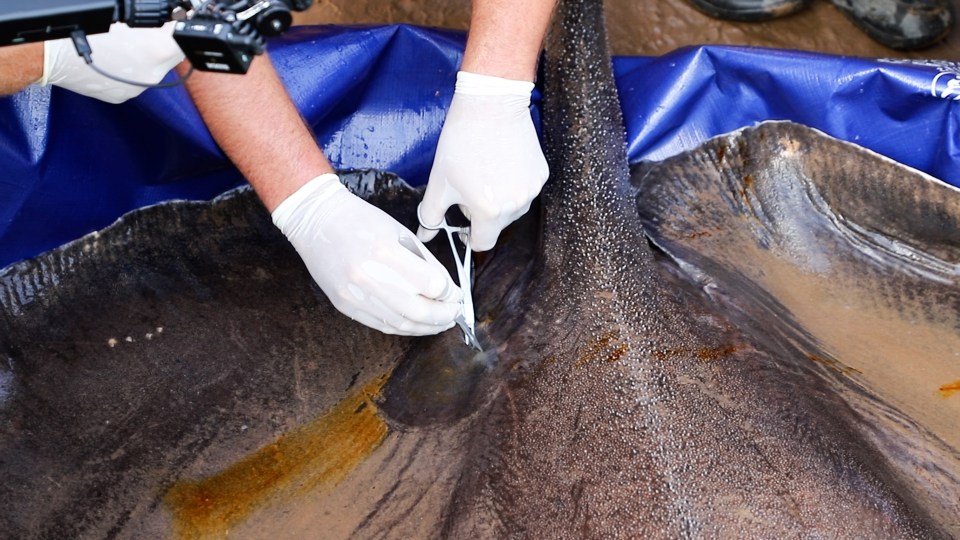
[
  {"x": 488, "y": 160},
  {"x": 364, "y": 260},
  {"x": 139, "y": 54}
]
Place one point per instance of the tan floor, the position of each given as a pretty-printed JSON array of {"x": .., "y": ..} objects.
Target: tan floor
[{"x": 651, "y": 27}]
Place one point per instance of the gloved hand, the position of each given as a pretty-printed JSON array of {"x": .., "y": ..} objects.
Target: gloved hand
[
  {"x": 139, "y": 54},
  {"x": 488, "y": 160},
  {"x": 365, "y": 261}
]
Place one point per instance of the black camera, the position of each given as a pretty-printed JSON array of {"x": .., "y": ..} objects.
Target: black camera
[
  {"x": 214, "y": 35},
  {"x": 225, "y": 37}
]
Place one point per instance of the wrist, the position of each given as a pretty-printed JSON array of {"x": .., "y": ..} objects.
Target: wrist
[
  {"x": 275, "y": 185},
  {"x": 49, "y": 59},
  {"x": 317, "y": 190},
  {"x": 488, "y": 85}
]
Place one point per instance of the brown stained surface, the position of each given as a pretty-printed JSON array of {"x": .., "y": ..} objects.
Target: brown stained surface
[
  {"x": 895, "y": 345},
  {"x": 830, "y": 267},
  {"x": 707, "y": 354},
  {"x": 637, "y": 27},
  {"x": 602, "y": 346},
  {"x": 949, "y": 390},
  {"x": 833, "y": 364},
  {"x": 874, "y": 340},
  {"x": 317, "y": 454},
  {"x": 864, "y": 318}
]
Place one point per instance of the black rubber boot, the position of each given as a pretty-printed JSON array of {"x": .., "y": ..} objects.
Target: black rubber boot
[
  {"x": 901, "y": 24},
  {"x": 749, "y": 10}
]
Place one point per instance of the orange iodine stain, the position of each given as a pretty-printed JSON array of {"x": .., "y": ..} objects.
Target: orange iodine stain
[
  {"x": 602, "y": 345},
  {"x": 834, "y": 365},
  {"x": 715, "y": 353},
  {"x": 317, "y": 454},
  {"x": 747, "y": 185},
  {"x": 948, "y": 390},
  {"x": 695, "y": 235},
  {"x": 617, "y": 352},
  {"x": 707, "y": 354}
]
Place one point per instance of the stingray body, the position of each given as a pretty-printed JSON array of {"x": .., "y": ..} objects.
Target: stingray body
[{"x": 176, "y": 375}]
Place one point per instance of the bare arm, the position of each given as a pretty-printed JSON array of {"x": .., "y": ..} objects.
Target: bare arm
[
  {"x": 355, "y": 252},
  {"x": 506, "y": 36},
  {"x": 20, "y": 66},
  {"x": 250, "y": 116},
  {"x": 257, "y": 125}
]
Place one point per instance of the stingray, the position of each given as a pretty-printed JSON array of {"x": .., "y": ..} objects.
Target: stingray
[{"x": 756, "y": 338}]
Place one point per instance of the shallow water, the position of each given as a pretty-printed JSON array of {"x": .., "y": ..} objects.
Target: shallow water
[{"x": 844, "y": 255}]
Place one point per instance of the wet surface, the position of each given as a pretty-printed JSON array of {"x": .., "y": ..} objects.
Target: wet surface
[
  {"x": 439, "y": 382},
  {"x": 813, "y": 244},
  {"x": 178, "y": 375},
  {"x": 316, "y": 455},
  {"x": 166, "y": 348}
]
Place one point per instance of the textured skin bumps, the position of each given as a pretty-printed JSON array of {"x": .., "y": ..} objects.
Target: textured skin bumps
[{"x": 620, "y": 398}]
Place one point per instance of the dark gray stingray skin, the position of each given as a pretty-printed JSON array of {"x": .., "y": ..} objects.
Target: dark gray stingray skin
[
  {"x": 185, "y": 332},
  {"x": 619, "y": 397},
  {"x": 844, "y": 263}
]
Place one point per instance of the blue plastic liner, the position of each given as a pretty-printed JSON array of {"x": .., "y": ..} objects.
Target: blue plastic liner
[
  {"x": 905, "y": 111},
  {"x": 375, "y": 97}
]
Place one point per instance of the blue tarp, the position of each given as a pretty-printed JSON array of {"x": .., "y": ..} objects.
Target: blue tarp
[
  {"x": 905, "y": 111},
  {"x": 376, "y": 96}
]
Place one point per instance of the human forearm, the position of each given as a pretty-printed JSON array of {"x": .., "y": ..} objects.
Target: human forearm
[
  {"x": 506, "y": 36},
  {"x": 253, "y": 120},
  {"x": 20, "y": 66}
]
